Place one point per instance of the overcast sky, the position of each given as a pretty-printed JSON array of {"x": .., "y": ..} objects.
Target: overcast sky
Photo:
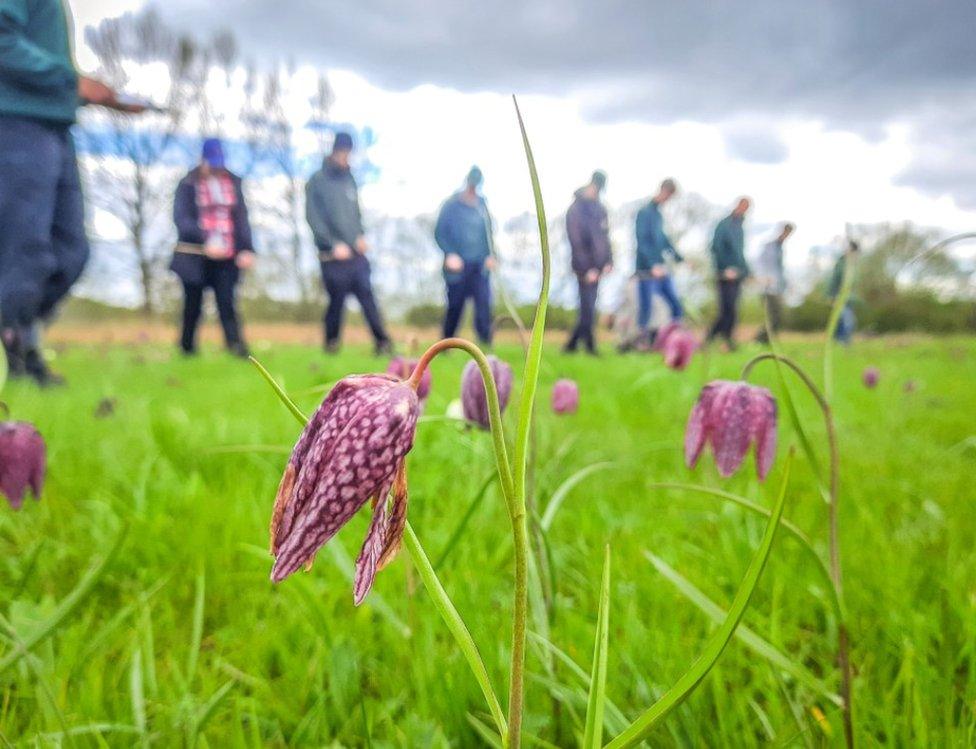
[{"x": 824, "y": 112}]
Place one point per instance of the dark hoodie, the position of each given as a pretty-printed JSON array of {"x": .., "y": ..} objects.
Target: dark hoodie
[
  {"x": 332, "y": 207},
  {"x": 589, "y": 233}
]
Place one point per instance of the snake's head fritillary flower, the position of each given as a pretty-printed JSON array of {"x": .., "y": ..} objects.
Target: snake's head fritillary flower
[
  {"x": 730, "y": 416},
  {"x": 474, "y": 401},
  {"x": 679, "y": 348},
  {"x": 23, "y": 460},
  {"x": 870, "y": 377},
  {"x": 565, "y": 397},
  {"x": 352, "y": 451},
  {"x": 664, "y": 333},
  {"x": 402, "y": 367}
]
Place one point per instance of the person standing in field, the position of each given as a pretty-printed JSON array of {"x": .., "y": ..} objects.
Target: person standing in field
[
  {"x": 847, "y": 322},
  {"x": 653, "y": 274},
  {"x": 333, "y": 213},
  {"x": 588, "y": 229},
  {"x": 772, "y": 276},
  {"x": 214, "y": 245},
  {"x": 731, "y": 269},
  {"x": 43, "y": 247},
  {"x": 464, "y": 234}
]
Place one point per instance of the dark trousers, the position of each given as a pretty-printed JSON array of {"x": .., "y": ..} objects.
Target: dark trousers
[
  {"x": 586, "y": 317},
  {"x": 43, "y": 248},
  {"x": 471, "y": 283},
  {"x": 728, "y": 309},
  {"x": 773, "y": 304},
  {"x": 221, "y": 276},
  {"x": 646, "y": 289},
  {"x": 342, "y": 278}
]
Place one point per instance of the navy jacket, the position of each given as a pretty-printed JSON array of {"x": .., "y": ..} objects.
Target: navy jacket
[
  {"x": 588, "y": 230},
  {"x": 652, "y": 242},
  {"x": 186, "y": 216},
  {"x": 464, "y": 229}
]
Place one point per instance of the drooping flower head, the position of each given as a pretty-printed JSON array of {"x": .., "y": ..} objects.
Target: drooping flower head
[
  {"x": 23, "y": 460},
  {"x": 565, "y": 397},
  {"x": 474, "y": 402},
  {"x": 678, "y": 349},
  {"x": 664, "y": 333},
  {"x": 402, "y": 367},
  {"x": 870, "y": 377},
  {"x": 730, "y": 416},
  {"x": 351, "y": 451}
]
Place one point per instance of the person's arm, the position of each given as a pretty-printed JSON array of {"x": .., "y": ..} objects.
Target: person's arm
[
  {"x": 442, "y": 230},
  {"x": 678, "y": 257},
  {"x": 22, "y": 61},
  {"x": 719, "y": 247},
  {"x": 578, "y": 240},
  {"x": 315, "y": 216},
  {"x": 600, "y": 240},
  {"x": 242, "y": 221},
  {"x": 185, "y": 215}
]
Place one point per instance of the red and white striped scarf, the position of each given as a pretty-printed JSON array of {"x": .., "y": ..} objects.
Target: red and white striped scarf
[{"x": 216, "y": 199}]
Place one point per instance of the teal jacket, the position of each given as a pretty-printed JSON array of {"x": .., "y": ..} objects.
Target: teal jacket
[
  {"x": 728, "y": 246},
  {"x": 37, "y": 73},
  {"x": 652, "y": 242}
]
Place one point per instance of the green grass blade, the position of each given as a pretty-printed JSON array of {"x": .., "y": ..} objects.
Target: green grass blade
[
  {"x": 445, "y": 607},
  {"x": 748, "y": 638},
  {"x": 465, "y": 519},
  {"x": 279, "y": 391},
  {"x": 559, "y": 496},
  {"x": 65, "y": 608},
  {"x": 716, "y": 644},
  {"x": 137, "y": 695},
  {"x": 196, "y": 633},
  {"x": 486, "y": 733},
  {"x": 593, "y": 732},
  {"x": 846, "y": 286},
  {"x": 376, "y": 601}
]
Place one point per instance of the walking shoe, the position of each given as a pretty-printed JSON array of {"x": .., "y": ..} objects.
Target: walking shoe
[
  {"x": 384, "y": 348},
  {"x": 15, "y": 353},
  {"x": 332, "y": 347},
  {"x": 240, "y": 350},
  {"x": 37, "y": 369}
]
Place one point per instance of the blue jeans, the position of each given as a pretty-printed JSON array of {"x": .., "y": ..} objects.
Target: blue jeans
[
  {"x": 472, "y": 282},
  {"x": 646, "y": 289},
  {"x": 846, "y": 324},
  {"x": 43, "y": 248}
]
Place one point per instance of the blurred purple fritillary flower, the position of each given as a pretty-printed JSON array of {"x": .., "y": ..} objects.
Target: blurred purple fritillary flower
[
  {"x": 23, "y": 460},
  {"x": 678, "y": 348},
  {"x": 403, "y": 368},
  {"x": 474, "y": 402},
  {"x": 351, "y": 451},
  {"x": 664, "y": 333},
  {"x": 870, "y": 377},
  {"x": 730, "y": 416},
  {"x": 565, "y": 397}
]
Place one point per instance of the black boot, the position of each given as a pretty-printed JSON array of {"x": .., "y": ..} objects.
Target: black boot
[
  {"x": 14, "y": 350},
  {"x": 384, "y": 348},
  {"x": 239, "y": 349},
  {"x": 37, "y": 369}
]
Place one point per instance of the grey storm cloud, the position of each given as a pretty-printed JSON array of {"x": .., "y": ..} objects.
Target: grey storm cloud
[{"x": 854, "y": 65}]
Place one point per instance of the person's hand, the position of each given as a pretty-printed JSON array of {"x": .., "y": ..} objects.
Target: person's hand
[
  {"x": 245, "y": 260},
  {"x": 659, "y": 271},
  {"x": 608, "y": 269},
  {"x": 490, "y": 262},
  {"x": 341, "y": 251},
  {"x": 730, "y": 274},
  {"x": 361, "y": 245},
  {"x": 592, "y": 276},
  {"x": 453, "y": 263},
  {"x": 95, "y": 92}
]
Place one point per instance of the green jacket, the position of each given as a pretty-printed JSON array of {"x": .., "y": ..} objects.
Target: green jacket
[
  {"x": 37, "y": 73},
  {"x": 728, "y": 246}
]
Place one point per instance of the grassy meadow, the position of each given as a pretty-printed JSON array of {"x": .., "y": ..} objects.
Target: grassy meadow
[{"x": 136, "y": 610}]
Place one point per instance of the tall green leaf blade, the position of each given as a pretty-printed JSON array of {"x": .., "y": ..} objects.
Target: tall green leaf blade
[
  {"x": 279, "y": 391},
  {"x": 559, "y": 496},
  {"x": 593, "y": 732},
  {"x": 716, "y": 644}
]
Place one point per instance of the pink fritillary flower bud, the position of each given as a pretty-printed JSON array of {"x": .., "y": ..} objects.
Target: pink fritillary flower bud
[
  {"x": 730, "y": 416},
  {"x": 403, "y": 368},
  {"x": 352, "y": 451},
  {"x": 679, "y": 348},
  {"x": 474, "y": 402},
  {"x": 870, "y": 377},
  {"x": 664, "y": 333},
  {"x": 23, "y": 460},
  {"x": 565, "y": 397}
]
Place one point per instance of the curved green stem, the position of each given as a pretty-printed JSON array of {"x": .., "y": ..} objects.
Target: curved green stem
[{"x": 843, "y": 646}]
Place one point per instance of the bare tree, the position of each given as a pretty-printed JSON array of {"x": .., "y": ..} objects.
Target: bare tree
[{"x": 132, "y": 165}]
